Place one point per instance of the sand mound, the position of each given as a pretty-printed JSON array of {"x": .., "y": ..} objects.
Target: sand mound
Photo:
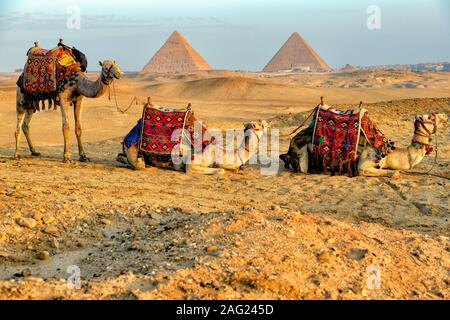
[{"x": 231, "y": 88}]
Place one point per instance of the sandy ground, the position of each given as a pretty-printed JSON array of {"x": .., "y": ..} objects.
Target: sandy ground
[{"x": 160, "y": 234}]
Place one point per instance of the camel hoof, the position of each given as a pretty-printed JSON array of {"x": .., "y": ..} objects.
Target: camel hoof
[
  {"x": 83, "y": 158},
  {"x": 67, "y": 161},
  {"x": 35, "y": 154},
  {"x": 17, "y": 157},
  {"x": 122, "y": 158}
]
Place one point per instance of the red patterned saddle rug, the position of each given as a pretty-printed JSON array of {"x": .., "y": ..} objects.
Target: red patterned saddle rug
[
  {"x": 336, "y": 137},
  {"x": 159, "y": 124},
  {"x": 40, "y": 73},
  {"x": 46, "y": 73}
]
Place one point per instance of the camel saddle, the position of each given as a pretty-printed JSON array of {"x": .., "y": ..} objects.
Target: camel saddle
[
  {"x": 157, "y": 126},
  {"x": 46, "y": 73},
  {"x": 338, "y": 138}
]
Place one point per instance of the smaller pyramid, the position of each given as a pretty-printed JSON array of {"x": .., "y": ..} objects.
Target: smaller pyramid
[
  {"x": 176, "y": 55},
  {"x": 296, "y": 54}
]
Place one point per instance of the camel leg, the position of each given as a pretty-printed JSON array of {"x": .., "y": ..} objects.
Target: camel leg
[
  {"x": 77, "y": 112},
  {"x": 20, "y": 119},
  {"x": 26, "y": 131},
  {"x": 374, "y": 172},
  {"x": 65, "y": 128},
  {"x": 203, "y": 170},
  {"x": 130, "y": 156}
]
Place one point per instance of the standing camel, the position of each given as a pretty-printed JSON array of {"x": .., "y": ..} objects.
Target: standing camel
[{"x": 72, "y": 95}]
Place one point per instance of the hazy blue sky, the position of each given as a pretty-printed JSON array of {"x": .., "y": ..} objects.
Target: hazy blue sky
[{"x": 230, "y": 34}]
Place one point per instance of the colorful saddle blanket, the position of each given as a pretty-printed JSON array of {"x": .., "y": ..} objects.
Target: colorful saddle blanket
[
  {"x": 337, "y": 135},
  {"x": 159, "y": 124},
  {"x": 48, "y": 71}
]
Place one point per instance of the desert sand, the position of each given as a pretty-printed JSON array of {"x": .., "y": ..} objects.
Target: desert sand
[{"x": 161, "y": 234}]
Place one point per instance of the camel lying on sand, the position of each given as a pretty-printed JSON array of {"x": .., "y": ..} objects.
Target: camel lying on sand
[
  {"x": 72, "y": 96},
  {"x": 253, "y": 132},
  {"x": 369, "y": 163},
  {"x": 403, "y": 158}
]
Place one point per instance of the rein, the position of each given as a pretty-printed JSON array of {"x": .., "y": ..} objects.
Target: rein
[
  {"x": 302, "y": 124},
  {"x": 124, "y": 110}
]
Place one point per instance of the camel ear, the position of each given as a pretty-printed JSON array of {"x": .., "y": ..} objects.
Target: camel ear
[{"x": 100, "y": 63}]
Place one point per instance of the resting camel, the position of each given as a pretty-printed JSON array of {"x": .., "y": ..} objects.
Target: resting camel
[
  {"x": 253, "y": 132},
  {"x": 398, "y": 159},
  {"x": 73, "y": 95},
  {"x": 403, "y": 158}
]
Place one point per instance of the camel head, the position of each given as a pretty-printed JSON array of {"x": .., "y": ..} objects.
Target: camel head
[
  {"x": 259, "y": 128},
  {"x": 430, "y": 123},
  {"x": 110, "y": 70}
]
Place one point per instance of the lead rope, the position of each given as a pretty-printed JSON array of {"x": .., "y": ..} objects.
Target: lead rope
[
  {"x": 301, "y": 125},
  {"x": 123, "y": 111}
]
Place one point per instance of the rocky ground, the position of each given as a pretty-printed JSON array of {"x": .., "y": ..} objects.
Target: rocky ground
[{"x": 160, "y": 234}]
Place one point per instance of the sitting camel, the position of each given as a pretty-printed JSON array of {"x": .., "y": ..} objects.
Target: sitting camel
[
  {"x": 369, "y": 163},
  {"x": 71, "y": 96},
  {"x": 253, "y": 132},
  {"x": 403, "y": 158}
]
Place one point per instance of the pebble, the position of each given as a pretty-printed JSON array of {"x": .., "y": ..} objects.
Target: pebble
[
  {"x": 224, "y": 255},
  {"x": 211, "y": 249},
  {"x": 44, "y": 255},
  {"x": 154, "y": 222},
  {"x": 275, "y": 207},
  {"x": 357, "y": 253},
  {"x": 54, "y": 243},
  {"x": 48, "y": 219},
  {"x": 4, "y": 254},
  {"x": 2, "y": 236},
  {"x": 106, "y": 221},
  {"x": 295, "y": 215},
  {"x": 51, "y": 230},
  {"x": 26, "y": 272},
  {"x": 37, "y": 216},
  {"x": 156, "y": 216},
  {"x": 27, "y": 222},
  {"x": 325, "y": 257},
  {"x": 108, "y": 243}
]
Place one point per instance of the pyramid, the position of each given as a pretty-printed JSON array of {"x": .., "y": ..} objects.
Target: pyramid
[
  {"x": 296, "y": 53},
  {"x": 176, "y": 55}
]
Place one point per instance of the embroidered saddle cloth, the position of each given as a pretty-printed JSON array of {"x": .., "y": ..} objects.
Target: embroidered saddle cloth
[
  {"x": 159, "y": 124},
  {"x": 339, "y": 136},
  {"x": 48, "y": 71},
  {"x": 336, "y": 134}
]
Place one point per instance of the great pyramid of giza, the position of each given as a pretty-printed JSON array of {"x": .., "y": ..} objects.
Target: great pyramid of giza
[
  {"x": 296, "y": 53},
  {"x": 176, "y": 55}
]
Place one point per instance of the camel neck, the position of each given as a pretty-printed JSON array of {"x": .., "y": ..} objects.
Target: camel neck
[
  {"x": 91, "y": 89},
  {"x": 248, "y": 148}
]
